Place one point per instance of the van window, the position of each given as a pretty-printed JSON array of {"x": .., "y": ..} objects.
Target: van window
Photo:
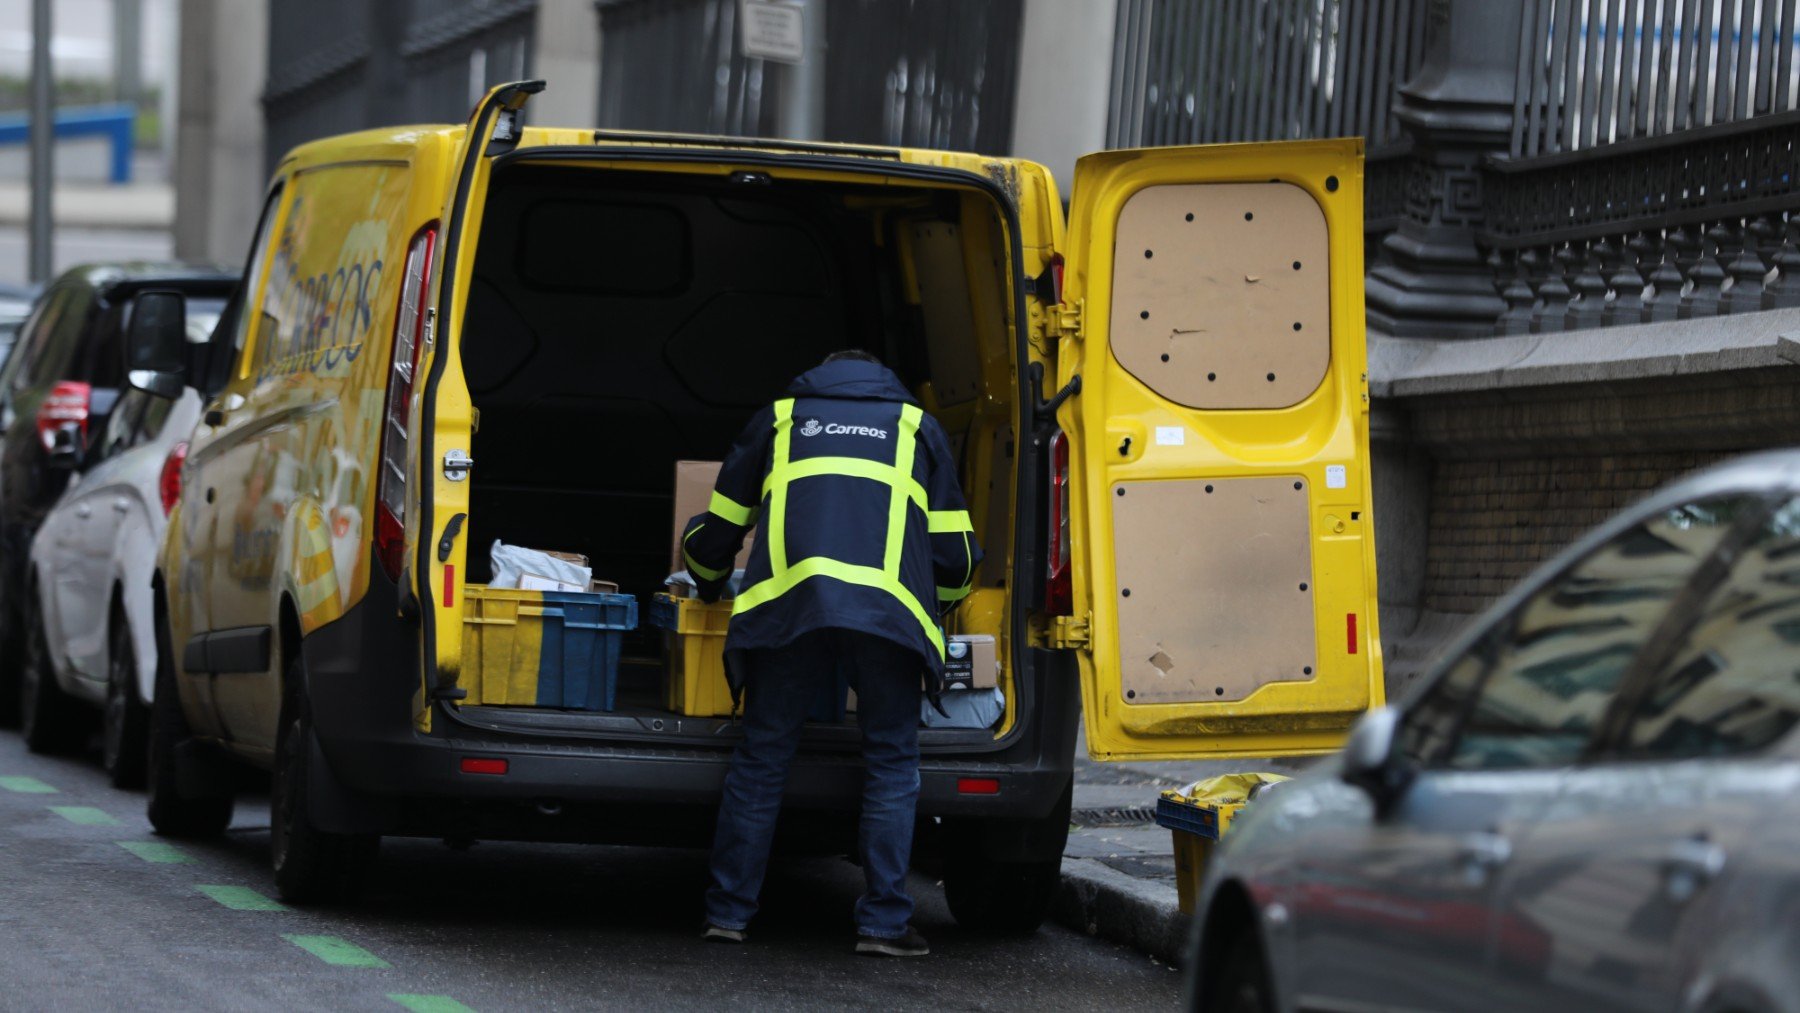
[{"x": 259, "y": 251}]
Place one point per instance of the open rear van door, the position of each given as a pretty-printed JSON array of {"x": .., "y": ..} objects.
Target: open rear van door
[
  {"x": 1224, "y": 560},
  {"x": 441, "y": 424}
]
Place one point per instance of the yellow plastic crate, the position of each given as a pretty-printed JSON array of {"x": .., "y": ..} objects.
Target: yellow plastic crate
[
  {"x": 694, "y": 638},
  {"x": 1197, "y": 817},
  {"x": 542, "y": 648}
]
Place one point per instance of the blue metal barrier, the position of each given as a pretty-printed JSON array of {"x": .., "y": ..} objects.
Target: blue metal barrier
[{"x": 113, "y": 122}]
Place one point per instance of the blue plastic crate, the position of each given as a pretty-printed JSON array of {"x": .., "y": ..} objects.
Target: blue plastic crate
[
  {"x": 544, "y": 648},
  {"x": 1190, "y": 817}
]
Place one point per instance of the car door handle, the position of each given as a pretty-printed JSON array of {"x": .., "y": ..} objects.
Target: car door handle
[
  {"x": 1482, "y": 853},
  {"x": 1690, "y": 864},
  {"x": 83, "y": 511},
  {"x": 121, "y": 506}
]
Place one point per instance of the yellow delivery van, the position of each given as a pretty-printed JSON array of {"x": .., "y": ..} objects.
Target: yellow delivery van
[{"x": 451, "y": 336}]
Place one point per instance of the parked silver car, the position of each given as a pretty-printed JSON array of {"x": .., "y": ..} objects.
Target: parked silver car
[{"x": 1592, "y": 802}]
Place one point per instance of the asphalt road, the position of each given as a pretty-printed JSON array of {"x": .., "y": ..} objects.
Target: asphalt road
[{"x": 99, "y": 913}]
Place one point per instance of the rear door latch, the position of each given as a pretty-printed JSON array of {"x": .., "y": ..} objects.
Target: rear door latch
[{"x": 457, "y": 464}]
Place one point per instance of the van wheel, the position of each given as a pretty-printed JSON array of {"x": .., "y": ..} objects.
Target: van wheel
[
  {"x": 312, "y": 866},
  {"x": 171, "y": 814},
  {"x": 125, "y": 727},
  {"x": 1001, "y": 897},
  {"x": 51, "y": 722}
]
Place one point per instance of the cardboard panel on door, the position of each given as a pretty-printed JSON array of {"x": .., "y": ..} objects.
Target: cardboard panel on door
[
  {"x": 1222, "y": 293},
  {"x": 1215, "y": 593}
]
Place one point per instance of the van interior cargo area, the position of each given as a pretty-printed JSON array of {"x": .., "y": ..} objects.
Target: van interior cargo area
[{"x": 621, "y": 321}]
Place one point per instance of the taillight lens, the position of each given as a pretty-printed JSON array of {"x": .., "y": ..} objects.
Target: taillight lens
[
  {"x": 1059, "y": 592},
  {"x": 66, "y": 406},
  {"x": 169, "y": 485},
  {"x": 409, "y": 327}
]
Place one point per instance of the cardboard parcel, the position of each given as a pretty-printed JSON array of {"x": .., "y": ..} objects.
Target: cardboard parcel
[{"x": 694, "y": 482}]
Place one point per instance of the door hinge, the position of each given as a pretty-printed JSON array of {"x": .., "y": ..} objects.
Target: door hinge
[
  {"x": 1069, "y": 631},
  {"x": 1065, "y": 319}
]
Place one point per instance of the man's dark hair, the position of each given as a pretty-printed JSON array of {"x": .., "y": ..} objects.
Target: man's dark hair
[{"x": 851, "y": 355}]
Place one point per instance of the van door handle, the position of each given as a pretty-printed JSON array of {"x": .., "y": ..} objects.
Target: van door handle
[
  {"x": 121, "y": 506},
  {"x": 1690, "y": 864},
  {"x": 84, "y": 511},
  {"x": 1481, "y": 854}
]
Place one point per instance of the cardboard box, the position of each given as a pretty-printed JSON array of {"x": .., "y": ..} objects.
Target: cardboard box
[
  {"x": 970, "y": 662},
  {"x": 694, "y": 481}
]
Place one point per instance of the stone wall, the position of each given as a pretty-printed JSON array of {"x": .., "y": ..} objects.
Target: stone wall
[{"x": 1492, "y": 455}]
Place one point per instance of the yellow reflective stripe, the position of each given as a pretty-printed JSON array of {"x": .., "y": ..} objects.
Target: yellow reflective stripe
[
  {"x": 903, "y": 466},
  {"x": 953, "y": 593},
  {"x": 949, "y": 522},
  {"x": 821, "y": 566},
  {"x": 703, "y": 572},
  {"x": 854, "y": 467},
  {"x": 731, "y": 510},
  {"x": 777, "y": 526}
]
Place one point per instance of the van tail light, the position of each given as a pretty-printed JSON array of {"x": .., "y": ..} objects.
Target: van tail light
[
  {"x": 65, "y": 407},
  {"x": 1059, "y": 592},
  {"x": 409, "y": 328},
  {"x": 169, "y": 486}
]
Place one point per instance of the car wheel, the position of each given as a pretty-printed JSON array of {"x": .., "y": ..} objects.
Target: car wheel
[
  {"x": 125, "y": 727},
  {"x": 50, "y": 721},
  {"x": 171, "y": 813},
  {"x": 1000, "y": 897},
  {"x": 1239, "y": 981},
  {"x": 312, "y": 866}
]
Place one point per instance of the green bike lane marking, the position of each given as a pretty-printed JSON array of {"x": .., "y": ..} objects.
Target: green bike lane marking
[
  {"x": 25, "y": 785},
  {"x": 84, "y": 815},
  {"x": 156, "y": 851},
  {"x": 335, "y": 951},
  {"x": 429, "y": 1003},
  {"x": 240, "y": 898}
]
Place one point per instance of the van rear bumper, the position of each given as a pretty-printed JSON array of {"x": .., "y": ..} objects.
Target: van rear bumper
[{"x": 387, "y": 777}]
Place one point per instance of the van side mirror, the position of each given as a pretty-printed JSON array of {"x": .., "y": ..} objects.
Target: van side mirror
[
  {"x": 156, "y": 356},
  {"x": 1370, "y": 761}
]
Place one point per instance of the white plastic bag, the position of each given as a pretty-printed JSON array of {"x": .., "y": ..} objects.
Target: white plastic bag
[{"x": 512, "y": 562}]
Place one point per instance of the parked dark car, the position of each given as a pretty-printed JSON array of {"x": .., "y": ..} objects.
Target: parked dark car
[{"x": 64, "y": 376}]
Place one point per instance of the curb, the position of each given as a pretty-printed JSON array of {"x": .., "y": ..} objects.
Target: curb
[{"x": 1101, "y": 901}]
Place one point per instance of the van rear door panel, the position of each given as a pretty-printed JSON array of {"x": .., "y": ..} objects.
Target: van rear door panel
[{"x": 1219, "y": 449}]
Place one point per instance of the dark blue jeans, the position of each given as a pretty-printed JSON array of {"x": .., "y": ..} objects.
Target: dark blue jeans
[{"x": 779, "y": 686}]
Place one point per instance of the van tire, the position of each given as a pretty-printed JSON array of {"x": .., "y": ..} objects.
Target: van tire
[
  {"x": 125, "y": 724},
  {"x": 1005, "y": 898},
  {"x": 171, "y": 814},
  {"x": 50, "y": 721},
  {"x": 312, "y": 866}
]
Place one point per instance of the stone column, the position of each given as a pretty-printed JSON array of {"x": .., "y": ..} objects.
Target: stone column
[{"x": 1432, "y": 281}]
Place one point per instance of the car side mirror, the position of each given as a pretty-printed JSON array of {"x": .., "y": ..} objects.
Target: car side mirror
[
  {"x": 1370, "y": 761},
  {"x": 156, "y": 356}
]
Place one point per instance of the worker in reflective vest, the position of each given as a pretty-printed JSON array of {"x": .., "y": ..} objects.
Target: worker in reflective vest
[{"x": 863, "y": 541}]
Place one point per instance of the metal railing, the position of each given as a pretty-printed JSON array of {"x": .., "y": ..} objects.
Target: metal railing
[
  {"x": 1592, "y": 72},
  {"x": 1207, "y": 71},
  {"x": 337, "y": 65},
  {"x": 915, "y": 73}
]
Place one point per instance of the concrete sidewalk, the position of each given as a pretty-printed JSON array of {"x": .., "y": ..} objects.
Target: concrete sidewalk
[{"x": 1119, "y": 866}]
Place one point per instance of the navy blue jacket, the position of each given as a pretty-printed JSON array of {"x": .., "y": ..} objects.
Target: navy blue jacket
[{"x": 860, "y": 520}]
